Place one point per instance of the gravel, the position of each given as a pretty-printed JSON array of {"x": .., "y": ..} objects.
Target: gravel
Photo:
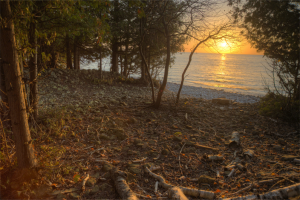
[{"x": 209, "y": 94}]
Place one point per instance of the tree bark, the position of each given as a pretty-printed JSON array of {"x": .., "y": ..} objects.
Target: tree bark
[
  {"x": 69, "y": 54},
  {"x": 164, "y": 83},
  {"x": 114, "y": 59},
  {"x": 33, "y": 95},
  {"x": 4, "y": 110},
  {"x": 76, "y": 57},
  {"x": 100, "y": 64},
  {"x": 13, "y": 83}
]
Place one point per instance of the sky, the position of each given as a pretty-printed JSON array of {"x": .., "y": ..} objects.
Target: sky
[
  {"x": 225, "y": 47},
  {"x": 242, "y": 49}
]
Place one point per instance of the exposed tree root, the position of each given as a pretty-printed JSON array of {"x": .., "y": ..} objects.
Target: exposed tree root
[{"x": 119, "y": 178}]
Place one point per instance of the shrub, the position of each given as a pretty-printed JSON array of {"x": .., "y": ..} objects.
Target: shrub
[{"x": 280, "y": 107}]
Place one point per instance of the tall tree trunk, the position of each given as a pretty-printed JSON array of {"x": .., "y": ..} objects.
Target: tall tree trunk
[
  {"x": 121, "y": 64},
  {"x": 164, "y": 83},
  {"x": 115, "y": 45},
  {"x": 143, "y": 70},
  {"x": 114, "y": 59},
  {"x": 33, "y": 96},
  {"x": 100, "y": 63},
  {"x": 4, "y": 110},
  {"x": 76, "y": 56},
  {"x": 69, "y": 54},
  {"x": 13, "y": 83}
]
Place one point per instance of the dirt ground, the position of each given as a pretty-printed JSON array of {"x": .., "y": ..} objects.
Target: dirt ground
[{"x": 84, "y": 121}]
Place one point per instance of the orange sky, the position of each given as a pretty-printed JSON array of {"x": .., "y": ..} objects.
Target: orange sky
[
  {"x": 227, "y": 46},
  {"x": 243, "y": 49}
]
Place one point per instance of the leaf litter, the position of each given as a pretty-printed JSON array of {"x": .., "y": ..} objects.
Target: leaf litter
[{"x": 94, "y": 127}]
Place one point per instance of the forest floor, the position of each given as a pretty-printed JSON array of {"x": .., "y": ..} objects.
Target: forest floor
[{"x": 84, "y": 121}]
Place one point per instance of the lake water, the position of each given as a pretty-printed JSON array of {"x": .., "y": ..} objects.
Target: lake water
[{"x": 237, "y": 73}]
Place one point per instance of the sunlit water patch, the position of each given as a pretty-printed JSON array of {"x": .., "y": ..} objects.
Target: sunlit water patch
[{"x": 245, "y": 74}]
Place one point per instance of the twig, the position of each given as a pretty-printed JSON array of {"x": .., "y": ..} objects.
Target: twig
[
  {"x": 250, "y": 186},
  {"x": 179, "y": 158},
  {"x": 276, "y": 184},
  {"x": 155, "y": 187},
  {"x": 142, "y": 189},
  {"x": 84, "y": 181},
  {"x": 141, "y": 160}
]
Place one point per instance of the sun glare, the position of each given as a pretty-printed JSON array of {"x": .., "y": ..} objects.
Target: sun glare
[{"x": 223, "y": 44}]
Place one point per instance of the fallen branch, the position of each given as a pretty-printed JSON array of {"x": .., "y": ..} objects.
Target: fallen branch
[
  {"x": 84, "y": 181},
  {"x": 176, "y": 193},
  {"x": 186, "y": 191},
  {"x": 250, "y": 186},
  {"x": 206, "y": 147}
]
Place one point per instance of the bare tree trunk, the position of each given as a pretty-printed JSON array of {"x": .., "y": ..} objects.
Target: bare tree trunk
[
  {"x": 143, "y": 70},
  {"x": 114, "y": 59},
  {"x": 190, "y": 59},
  {"x": 13, "y": 83},
  {"x": 33, "y": 96},
  {"x": 164, "y": 83},
  {"x": 144, "y": 61},
  {"x": 76, "y": 56},
  {"x": 121, "y": 64},
  {"x": 69, "y": 54},
  {"x": 4, "y": 109},
  {"x": 100, "y": 64}
]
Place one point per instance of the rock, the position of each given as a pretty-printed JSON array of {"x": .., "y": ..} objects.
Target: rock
[
  {"x": 96, "y": 175},
  {"x": 61, "y": 196},
  {"x": 119, "y": 133},
  {"x": 103, "y": 136},
  {"x": 153, "y": 153},
  {"x": 74, "y": 195},
  {"x": 289, "y": 157},
  {"x": 104, "y": 187},
  {"x": 95, "y": 189},
  {"x": 206, "y": 179},
  {"x": 131, "y": 120},
  {"x": 152, "y": 142},
  {"x": 177, "y": 138},
  {"x": 91, "y": 182},
  {"x": 137, "y": 141},
  {"x": 107, "y": 167},
  {"x": 165, "y": 152},
  {"x": 53, "y": 74},
  {"x": 134, "y": 169},
  {"x": 221, "y": 101}
]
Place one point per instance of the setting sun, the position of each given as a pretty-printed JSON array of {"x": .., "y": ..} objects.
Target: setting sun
[{"x": 223, "y": 44}]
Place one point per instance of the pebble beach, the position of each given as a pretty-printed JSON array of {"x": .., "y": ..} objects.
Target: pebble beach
[{"x": 208, "y": 94}]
